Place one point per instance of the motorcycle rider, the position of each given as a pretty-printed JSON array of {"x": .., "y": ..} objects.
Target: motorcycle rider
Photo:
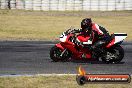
[{"x": 98, "y": 36}]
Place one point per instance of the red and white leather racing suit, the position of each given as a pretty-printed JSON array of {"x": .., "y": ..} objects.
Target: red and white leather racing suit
[
  {"x": 94, "y": 38},
  {"x": 97, "y": 33}
]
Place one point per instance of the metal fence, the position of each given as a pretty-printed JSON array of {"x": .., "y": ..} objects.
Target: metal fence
[{"x": 63, "y": 5}]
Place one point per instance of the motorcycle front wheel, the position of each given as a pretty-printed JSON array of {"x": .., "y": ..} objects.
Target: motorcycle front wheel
[{"x": 55, "y": 54}]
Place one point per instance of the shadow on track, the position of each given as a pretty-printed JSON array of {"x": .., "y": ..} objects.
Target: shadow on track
[
  {"x": 92, "y": 62},
  {"x": 86, "y": 62}
]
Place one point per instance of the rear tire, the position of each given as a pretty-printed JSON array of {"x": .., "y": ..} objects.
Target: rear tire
[{"x": 113, "y": 55}]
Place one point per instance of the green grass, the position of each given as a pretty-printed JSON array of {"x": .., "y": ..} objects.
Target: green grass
[
  {"x": 39, "y": 25},
  {"x": 51, "y": 82}
]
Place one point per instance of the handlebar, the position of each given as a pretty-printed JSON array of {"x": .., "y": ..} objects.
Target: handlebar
[
  {"x": 71, "y": 31},
  {"x": 73, "y": 37},
  {"x": 68, "y": 32}
]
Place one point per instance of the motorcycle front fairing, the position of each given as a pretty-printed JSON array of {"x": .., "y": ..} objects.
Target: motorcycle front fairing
[{"x": 65, "y": 43}]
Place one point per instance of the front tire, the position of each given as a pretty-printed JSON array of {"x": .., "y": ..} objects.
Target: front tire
[
  {"x": 55, "y": 53},
  {"x": 113, "y": 55}
]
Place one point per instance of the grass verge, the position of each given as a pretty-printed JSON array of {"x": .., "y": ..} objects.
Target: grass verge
[
  {"x": 39, "y": 25},
  {"x": 51, "y": 82}
]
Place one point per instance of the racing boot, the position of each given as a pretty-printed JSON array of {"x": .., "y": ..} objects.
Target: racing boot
[
  {"x": 94, "y": 51},
  {"x": 94, "y": 55}
]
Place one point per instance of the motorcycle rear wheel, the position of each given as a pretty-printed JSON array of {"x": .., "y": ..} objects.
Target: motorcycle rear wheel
[{"x": 113, "y": 55}]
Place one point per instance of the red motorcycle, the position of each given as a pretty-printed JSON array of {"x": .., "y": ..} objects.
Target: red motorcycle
[{"x": 111, "y": 52}]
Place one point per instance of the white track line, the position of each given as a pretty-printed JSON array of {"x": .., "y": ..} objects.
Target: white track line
[
  {"x": 56, "y": 74},
  {"x": 47, "y": 75},
  {"x": 39, "y": 75}
]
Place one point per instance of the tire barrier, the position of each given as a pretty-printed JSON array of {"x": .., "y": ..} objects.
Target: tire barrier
[{"x": 63, "y": 5}]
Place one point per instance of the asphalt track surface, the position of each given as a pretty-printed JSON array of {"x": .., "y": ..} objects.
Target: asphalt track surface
[{"x": 32, "y": 57}]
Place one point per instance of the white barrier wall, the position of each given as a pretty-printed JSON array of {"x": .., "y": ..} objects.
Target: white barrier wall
[
  {"x": 28, "y": 4},
  {"x": 45, "y": 5},
  {"x": 63, "y": 5},
  {"x": 3, "y": 4},
  {"x": 53, "y": 4},
  {"x": 37, "y": 4},
  {"x": 111, "y": 5},
  {"x": 128, "y": 5},
  {"x": 20, "y": 4},
  {"x": 78, "y": 4},
  {"x": 95, "y": 4},
  {"x": 13, "y": 4}
]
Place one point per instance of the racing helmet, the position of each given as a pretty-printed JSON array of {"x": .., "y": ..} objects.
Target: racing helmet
[{"x": 86, "y": 24}]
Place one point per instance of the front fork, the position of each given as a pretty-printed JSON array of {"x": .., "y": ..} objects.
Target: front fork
[
  {"x": 71, "y": 47},
  {"x": 63, "y": 52},
  {"x": 68, "y": 46},
  {"x": 62, "y": 48}
]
